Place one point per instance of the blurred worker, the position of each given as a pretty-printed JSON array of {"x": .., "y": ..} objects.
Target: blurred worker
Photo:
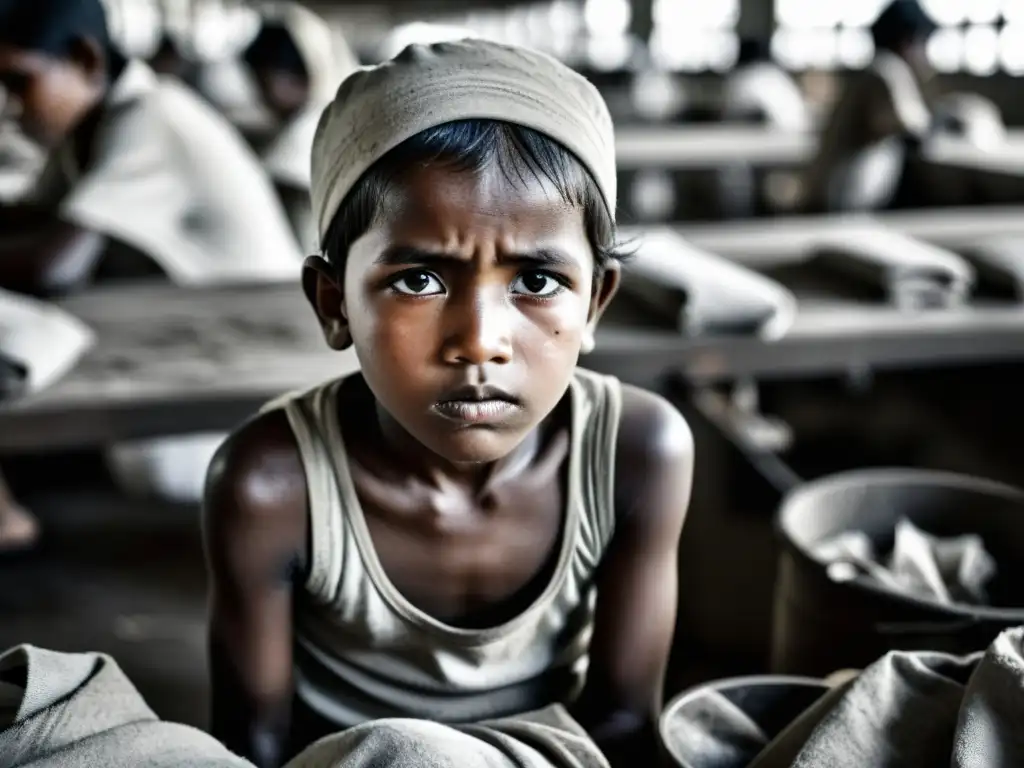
[
  {"x": 861, "y": 158},
  {"x": 298, "y": 62},
  {"x": 761, "y": 91},
  {"x": 143, "y": 177},
  {"x": 169, "y": 61}
]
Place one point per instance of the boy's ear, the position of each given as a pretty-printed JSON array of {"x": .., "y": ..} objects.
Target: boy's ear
[
  {"x": 606, "y": 285},
  {"x": 90, "y": 57},
  {"x": 326, "y": 295}
]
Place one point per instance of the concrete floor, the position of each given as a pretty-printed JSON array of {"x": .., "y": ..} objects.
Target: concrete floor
[{"x": 120, "y": 576}]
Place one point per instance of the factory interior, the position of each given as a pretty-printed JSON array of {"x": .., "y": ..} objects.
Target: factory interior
[{"x": 810, "y": 375}]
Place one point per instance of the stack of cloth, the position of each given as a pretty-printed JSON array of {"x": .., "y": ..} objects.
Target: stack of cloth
[{"x": 907, "y": 710}]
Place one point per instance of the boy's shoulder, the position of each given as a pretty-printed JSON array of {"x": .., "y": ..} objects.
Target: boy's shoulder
[
  {"x": 257, "y": 472},
  {"x": 654, "y": 450}
]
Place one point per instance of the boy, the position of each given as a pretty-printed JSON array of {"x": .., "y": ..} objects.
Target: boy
[{"x": 471, "y": 527}]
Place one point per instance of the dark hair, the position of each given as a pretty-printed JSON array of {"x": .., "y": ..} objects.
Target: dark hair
[
  {"x": 274, "y": 48},
  {"x": 903, "y": 22},
  {"x": 472, "y": 146},
  {"x": 52, "y": 27}
]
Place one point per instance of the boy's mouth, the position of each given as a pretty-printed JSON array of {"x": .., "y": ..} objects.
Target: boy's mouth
[{"x": 477, "y": 405}]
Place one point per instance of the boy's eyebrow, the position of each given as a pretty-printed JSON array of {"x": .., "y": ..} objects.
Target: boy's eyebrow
[{"x": 398, "y": 255}]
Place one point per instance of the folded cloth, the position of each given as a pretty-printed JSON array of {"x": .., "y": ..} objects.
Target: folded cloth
[
  {"x": 549, "y": 738},
  {"x": 946, "y": 570},
  {"x": 915, "y": 710},
  {"x": 78, "y": 710},
  {"x": 1000, "y": 264},
  {"x": 906, "y": 271},
  {"x": 705, "y": 293},
  {"x": 717, "y": 730},
  {"x": 40, "y": 339}
]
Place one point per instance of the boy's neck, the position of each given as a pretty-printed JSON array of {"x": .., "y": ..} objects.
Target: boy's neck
[{"x": 439, "y": 472}]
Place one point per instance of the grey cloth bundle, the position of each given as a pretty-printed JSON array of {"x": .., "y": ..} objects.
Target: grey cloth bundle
[
  {"x": 79, "y": 710},
  {"x": 548, "y": 738},
  {"x": 907, "y": 710}
]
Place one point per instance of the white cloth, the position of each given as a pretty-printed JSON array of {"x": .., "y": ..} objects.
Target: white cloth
[
  {"x": 172, "y": 179},
  {"x": 946, "y": 570},
  {"x": 377, "y": 108},
  {"x": 765, "y": 88},
  {"x": 44, "y": 339}
]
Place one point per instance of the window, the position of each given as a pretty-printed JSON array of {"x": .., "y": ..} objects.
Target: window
[{"x": 695, "y": 35}]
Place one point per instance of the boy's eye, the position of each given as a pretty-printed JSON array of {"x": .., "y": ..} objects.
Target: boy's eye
[
  {"x": 417, "y": 283},
  {"x": 536, "y": 284}
]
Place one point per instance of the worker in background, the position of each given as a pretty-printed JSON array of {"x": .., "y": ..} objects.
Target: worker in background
[
  {"x": 297, "y": 62},
  {"x": 143, "y": 178},
  {"x": 759, "y": 90},
  {"x": 881, "y": 112},
  {"x": 169, "y": 61}
]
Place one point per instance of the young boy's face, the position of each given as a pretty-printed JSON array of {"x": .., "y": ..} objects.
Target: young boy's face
[
  {"x": 468, "y": 302},
  {"x": 49, "y": 96}
]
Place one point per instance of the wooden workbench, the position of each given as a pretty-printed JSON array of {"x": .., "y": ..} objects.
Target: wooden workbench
[{"x": 172, "y": 360}]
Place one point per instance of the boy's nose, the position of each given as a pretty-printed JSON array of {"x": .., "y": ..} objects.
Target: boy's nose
[{"x": 480, "y": 331}]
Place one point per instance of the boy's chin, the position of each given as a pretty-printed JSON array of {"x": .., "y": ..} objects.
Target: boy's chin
[{"x": 471, "y": 446}]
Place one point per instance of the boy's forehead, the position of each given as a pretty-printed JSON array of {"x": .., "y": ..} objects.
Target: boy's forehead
[
  {"x": 441, "y": 196},
  {"x": 458, "y": 212}
]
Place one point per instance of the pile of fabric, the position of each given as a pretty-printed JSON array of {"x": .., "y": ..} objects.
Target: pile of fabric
[
  {"x": 79, "y": 710},
  {"x": 912, "y": 710}
]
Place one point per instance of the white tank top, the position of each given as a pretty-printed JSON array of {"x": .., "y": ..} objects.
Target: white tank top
[{"x": 362, "y": 651}]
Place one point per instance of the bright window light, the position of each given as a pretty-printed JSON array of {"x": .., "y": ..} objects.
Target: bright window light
[
  {"x": 855, "y": 48},
  {"x": 1011, "y": 49},
  {"x": 981, "y": 50},
  {"x": 806, "y": 48},
  {"x": 947, "y": 12},
  {"x": 607, "y": 17},
  {"x": 984, "y": 11},
  {"x": 609, "y": 52},
  {"x": 723, "y": 51},
  {"x": 945, "y": 50},
  {"x": 1013, "y": 10},
  {"x": 804, "y": 14},
  {"x": 861, "y": 13},
  {"x": 709, "y": 14}
]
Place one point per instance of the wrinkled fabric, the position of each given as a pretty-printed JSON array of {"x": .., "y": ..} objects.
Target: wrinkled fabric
[
  {"x": 78, "y": 710},
  {"x": 549, "y": 738},
  {"x": 946, "y": 570},
  {"x": 907, "y": 710}
]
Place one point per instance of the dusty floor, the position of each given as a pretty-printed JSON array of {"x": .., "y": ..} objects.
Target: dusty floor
[{"x": 118, "y": 576}]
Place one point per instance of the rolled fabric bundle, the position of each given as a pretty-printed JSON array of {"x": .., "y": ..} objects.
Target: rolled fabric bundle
[
  {"x": 883, "y": 263},
  {"x": 39, "y": 340},
  {"x": 704, "y": 293},
  {"x": 1000, "y": 265}
]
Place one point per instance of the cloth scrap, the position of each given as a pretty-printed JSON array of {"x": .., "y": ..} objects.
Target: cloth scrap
[{"x": 946, "y": 570}]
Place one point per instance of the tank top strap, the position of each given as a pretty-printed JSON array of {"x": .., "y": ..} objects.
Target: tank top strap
[
  {"x": 307, "y": 413},
  {"x": 598, "y": 410}
]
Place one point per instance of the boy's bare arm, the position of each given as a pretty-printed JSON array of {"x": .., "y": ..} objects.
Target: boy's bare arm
[
  {"x": 637, "y": 585},
  {"x": 255, "y": 531}
]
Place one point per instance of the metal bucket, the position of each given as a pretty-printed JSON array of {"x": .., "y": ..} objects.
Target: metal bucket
[
  {"x": 821, "y": 625},
  {"x": 725, "y": 724}
]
